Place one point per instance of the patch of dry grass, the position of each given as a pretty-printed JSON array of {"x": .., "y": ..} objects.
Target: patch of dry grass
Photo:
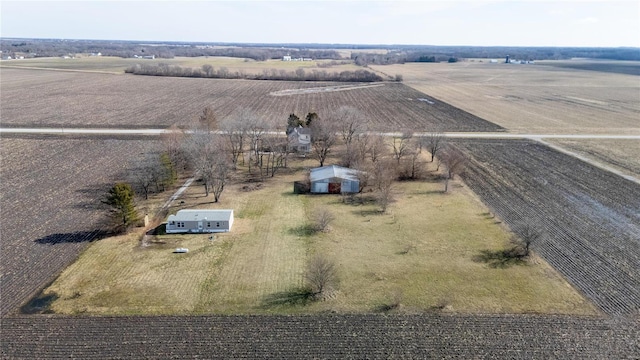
[{"x": 419, "y": 256}]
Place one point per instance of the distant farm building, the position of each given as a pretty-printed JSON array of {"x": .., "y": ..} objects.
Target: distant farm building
[
  {"x": 334, "y": 179},
  {"x": 286, "y": 58},
  {"x": 200, "y": 221},
  {"x": 300, "y": 140}
]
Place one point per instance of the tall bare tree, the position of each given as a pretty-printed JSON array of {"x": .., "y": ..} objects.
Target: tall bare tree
[
  {"x": 207, "y": 154},
  {"x": 384, "y": 175},
  {"x": 349, "y": 121},
  {"x": 377, "y": 148},
  {"x": 414, "y": 167},
  {"x": 527, "y": 235},
  {"x": 235, "y": 129},
  {"x": 323, "y": 138},
  {"x": 361, "y": 146},
  {"x": 173, "y": 140},
  {"x": 400, "y": 145},
  {"x": 141, "y": 174},
  {"x": 219, "y": 175},
  {"x": 454, "y": 161},
  {"x": 321, "y": 274},
  {"x": 434, "y": 142}
]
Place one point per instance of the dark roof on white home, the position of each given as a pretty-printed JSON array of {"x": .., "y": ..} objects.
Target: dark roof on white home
[
  {"x": 333, "y": 171},
  {"x": 201, "y": 214}
]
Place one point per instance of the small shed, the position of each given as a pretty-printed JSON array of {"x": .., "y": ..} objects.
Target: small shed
[
  {"x": 200, "y": 221},
  {"x": 334, "y": 179}
]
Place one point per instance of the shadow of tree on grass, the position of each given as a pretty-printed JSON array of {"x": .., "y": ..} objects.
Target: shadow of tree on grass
[
  {"x": 293, "y": 297},
  {"x": 303, "y": 230},
  {"x": 499, "y": 259}
]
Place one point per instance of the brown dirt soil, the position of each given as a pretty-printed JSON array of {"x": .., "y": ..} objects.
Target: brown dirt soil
[
  {"x": 50, "y": 191},
  {"x": 589, "y": 216},
  {"x": 65, "y": 99}
]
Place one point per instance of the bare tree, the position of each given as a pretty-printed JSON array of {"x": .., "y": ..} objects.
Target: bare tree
[
  {"x": 527, "y": 235},
  {"x": 376, "y": 148},
  {"x": 320, "y": 275},
  {"x": 141, "y": 175},
  {"x": 256, "y": 127},
  {"x": 384, "y": 176},
  {"x": 207, "y": 155},
  {"x": 434, "y": 142},
  {"x": 208, "y": 120},
  {"x": 362, "y": 144},
  {"x": 364, "y": 174},
  {"x": 173, "y": 140},
  {"x": 400, "y": 145},
  {"x": 414, "y": 169},
  {"x": 454, "y": 161},
  {"x": 323, "y": 137},
  {"x": 219, "y": 176},
  {"x": 273, "y": 155},
  {"x": 349, "y": 121},
  {"x": 321, "y": 220},
  {"x": 235, "y": 129}
]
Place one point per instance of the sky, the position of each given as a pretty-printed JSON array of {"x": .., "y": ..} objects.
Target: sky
[{"x": 427, "y": 22}]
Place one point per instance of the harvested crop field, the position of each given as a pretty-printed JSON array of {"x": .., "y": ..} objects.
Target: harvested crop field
[
  {"x": 39, "y": 98},
  {"x": 622, "y": 155},
  {"x": 607, "y": 66},
  {"x": 49, "y": 191},
  {"x": 591, "y": 218},
  {"x": 532, "y": 98},
  {"x": 320, "y": 336}
]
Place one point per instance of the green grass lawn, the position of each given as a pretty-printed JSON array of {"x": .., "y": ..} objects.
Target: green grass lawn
[{"x": 421, "y": 254}]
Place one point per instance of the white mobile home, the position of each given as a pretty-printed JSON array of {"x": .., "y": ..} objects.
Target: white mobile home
[
  {"x": 334, "y": 179},
  {"x": 200, "y": 221}
]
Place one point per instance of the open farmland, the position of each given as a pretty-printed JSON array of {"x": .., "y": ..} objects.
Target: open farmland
[
  {"x": 117, "y": 65},
  {"x": 320, "y": 336},
  {"x": 622, "y": 155},
  {"x": 591, "y": 218},
  {"x": 607, "y": 66},
  {"x": 532, "y": 98},
  {"x": 57, "y": 99},
  {"x": 49, "y": 189}
]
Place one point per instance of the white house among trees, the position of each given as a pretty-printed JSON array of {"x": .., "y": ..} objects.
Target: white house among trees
[
  {"x": 200, "y": 221},
  {"x": 300, "y": 139}
]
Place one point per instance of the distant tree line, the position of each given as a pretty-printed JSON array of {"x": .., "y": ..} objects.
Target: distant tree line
[
  {"x": 395, "y": 53},
  {"x": 447, "y": 54},
  {"x": 127, "y": 49},
  {"x": 208, "y": 71}
]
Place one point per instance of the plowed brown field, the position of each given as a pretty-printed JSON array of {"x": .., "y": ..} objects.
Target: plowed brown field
[
  {"x": 320, "y": 337},
  {"x": 64, "y": 99},
  {"x": 590, "y": 217},
  {"x": 49, "y": 189}
]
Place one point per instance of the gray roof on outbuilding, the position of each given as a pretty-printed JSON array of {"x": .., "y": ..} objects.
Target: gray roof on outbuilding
[{"x": 333, "y": 171}]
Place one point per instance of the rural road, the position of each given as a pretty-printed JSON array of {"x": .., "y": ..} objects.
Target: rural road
[
  {"x": 459, "y": 135},
  {"x": 453, "y": 135}
]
